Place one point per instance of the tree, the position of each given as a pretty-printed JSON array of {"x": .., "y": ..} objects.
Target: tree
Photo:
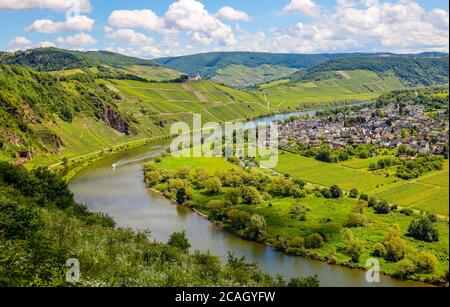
[
  {"x": 326, "y": 193},
  {"x": 354, "y": 247},
  {"x": 381, "y": 207},
  {"x": 423, "y": 229},
  {"x": 233, "y": 196},
  {"x": 179, "y": 240},
  {"x": 152, "y": 178},
  {"x": 354, "y": 193},
  {"x": 213, "y": 185},
  {"x": 314, "y": 240},
  {"x": 181, "y": 196},
  {"x": 379, "y": 250},
  {"x": 396, "y": 248},
  {"x": 256, "y": 226},
  {"x": 336, "y": 191},
  {"x": 251, "y": 196}
]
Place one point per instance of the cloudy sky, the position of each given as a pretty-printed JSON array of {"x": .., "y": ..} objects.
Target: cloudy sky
[{"x": 156, "y": 28}]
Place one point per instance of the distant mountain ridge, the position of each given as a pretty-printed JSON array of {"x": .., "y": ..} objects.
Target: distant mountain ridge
[
  {"x": 52, "y": 59},
  {"x": 211, "y": 65},
  {"x": 411, "y": 70}
]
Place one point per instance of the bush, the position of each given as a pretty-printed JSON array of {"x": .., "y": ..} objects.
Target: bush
[
  {"x": 17, "y": 222},
  {"x": 423, "y": 229},
  {"x": 364, "y": 197},
  {"x": 407, "y": 212},
  {"x": 336, "y": 191},
  {"x": 382, "y": 207},
  {"x": 326, "y": 193},
  {"x": 213, "y": 185},
  {"x": 251, "y": 196},
  {"x": 354, "y": 193},
  {"x": 426, "y": 262},
  {"x": 297, "y": 242},
  {"x": 405, "y": 268},
  {"x": 396, "y": 249},
  {"x": 314, "y": 240},
  {"x": 233, "y": 196},
  {"x": 280, "y": 243},
  {"x": 356, "y": 220},
  {"x": 379, "y": 250}
]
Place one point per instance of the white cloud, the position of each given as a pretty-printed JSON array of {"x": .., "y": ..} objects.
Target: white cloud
[
  {"x": 146, "y": 52},
  {"x": 78, "y": 23},
  {"x": 20, "y": 41},
  {"x": 403, "y": 26},
  {"x": 58, "y": 5},
  {"x": 129, "y": 36},
  {"x": 204, "y": 28},
  {"x": 303, "y": 7},
  {"x": 78, "y": 40},
  {"x": 229, "y": 13},
  {"x": 144, "y": 19}
]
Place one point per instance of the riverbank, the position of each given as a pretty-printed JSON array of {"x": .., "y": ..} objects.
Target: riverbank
[{"x": 321, "y": 217}]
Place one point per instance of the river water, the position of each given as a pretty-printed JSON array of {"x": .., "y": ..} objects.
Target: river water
[{"x": 122, "y": 194}]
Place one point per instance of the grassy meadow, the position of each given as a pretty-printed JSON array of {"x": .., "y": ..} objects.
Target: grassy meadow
[
  {"x": 325, "y": 216},
  {"x": 428, "y": 193}
]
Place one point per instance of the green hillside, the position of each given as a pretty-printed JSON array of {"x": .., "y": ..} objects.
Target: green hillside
[
  {"x": 411, "y": 70},
  {"x": 51, "y": 59},
  {"x": 244, "y": 76},
  {"x": 350, "y": 86},
  {"x": 39, "y": 113}
]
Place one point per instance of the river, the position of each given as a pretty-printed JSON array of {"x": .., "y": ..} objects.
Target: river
[{"x": 122, "y": 194}]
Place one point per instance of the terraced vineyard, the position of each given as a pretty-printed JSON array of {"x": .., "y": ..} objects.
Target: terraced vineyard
[
  {"x": 161, "y": 103},
  {"x": 243, "y": 76},
  {"x": 354, "y": 85}
]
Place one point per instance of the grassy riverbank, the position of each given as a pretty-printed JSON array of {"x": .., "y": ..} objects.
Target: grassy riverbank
[{"x": 297, "y": 219}]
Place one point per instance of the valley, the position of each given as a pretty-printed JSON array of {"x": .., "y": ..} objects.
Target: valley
[{"x": 73, "y": 111}]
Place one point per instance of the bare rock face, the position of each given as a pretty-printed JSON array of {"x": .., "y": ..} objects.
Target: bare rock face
[{"x": 115, "y": 121}]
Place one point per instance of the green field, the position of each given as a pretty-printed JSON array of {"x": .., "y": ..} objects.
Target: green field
[
  {"x": 363, "y": 163},
  {"x": 280, "y": 223},
  {"x": 242, "y": 76},
  {"x": 429, "y": 193},
  {"x": 358, "y": 85},
  {"x": 325, "y": 216},
  {"x": 327, "y": 174}
]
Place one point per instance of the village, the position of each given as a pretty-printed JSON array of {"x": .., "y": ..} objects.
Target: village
[{"x": 388, "y": 127}]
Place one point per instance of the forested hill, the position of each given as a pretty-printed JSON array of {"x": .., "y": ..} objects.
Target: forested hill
[
  {"x": 207, "y": 64},
  {"x": 411, "y": 70},
  {"x": 52, "y": 59}
]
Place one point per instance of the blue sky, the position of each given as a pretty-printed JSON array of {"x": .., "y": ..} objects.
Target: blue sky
[{"x": 154, "y": 28}]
